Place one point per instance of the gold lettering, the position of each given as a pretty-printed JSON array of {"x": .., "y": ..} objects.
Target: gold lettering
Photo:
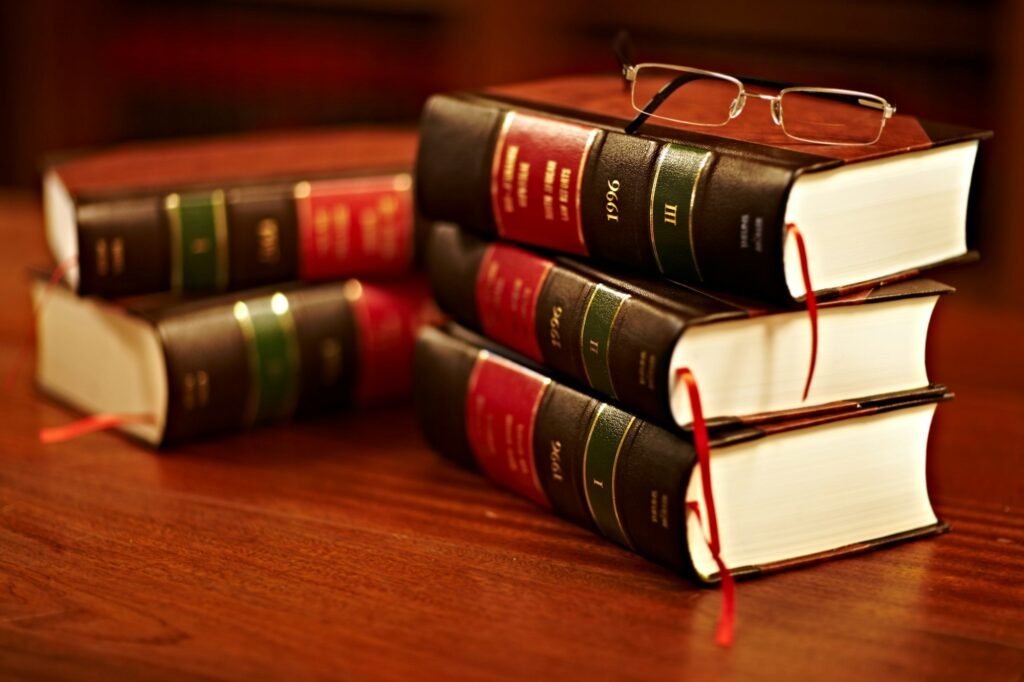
[
  {"x": 195, "y": 389},
  {"x": 554, "y": 325},
  {"x": 556, "y": 460},
  {"x": 564, "y": 180},
  {"x": 522, "y": 178},
  {"x": 550, "y": 169},
  {"x": 549, "y": 176},
  {"x": 202, "y": 388},
  {"x": 102, "y": 259},
  {"x": 368, "y": 222},
  {"x": 117, "y": 255},
  {"x": 321, "y": 224},
  {"x": 599, "y": 484},
  {"x": 268, "y": 247},
  {"x": 387, "y": 205},
  {"x": 595, "y": 346},
  {"x": 670, "y": 213},
  {"x": 508, "y": 172}
]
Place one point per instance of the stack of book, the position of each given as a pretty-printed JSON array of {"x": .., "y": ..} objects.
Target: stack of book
[
  {"x": 206, "y": 286},
  {"x": 708, "y": 347}
]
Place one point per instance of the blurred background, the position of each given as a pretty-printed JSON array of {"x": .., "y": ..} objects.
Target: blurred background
[{"x": 95, "y": 72}]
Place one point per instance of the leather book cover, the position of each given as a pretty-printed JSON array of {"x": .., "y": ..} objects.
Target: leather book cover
[
  {"x": 548, "y": 164},
  {"x": 588, "y": 461},
  {"x": 264, "y": 355},
  {"x": 236, "y": 212},
  {"x": 603, "y": 329}
]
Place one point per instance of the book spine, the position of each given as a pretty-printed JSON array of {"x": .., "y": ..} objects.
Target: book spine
[
  {"x": 287, "y": 354},
  {"x": 588, "y": 461},
  {"x": 702, "y": 216},
  {"x": 233, "y": 238},
  {"x": 600, "y": 335}
]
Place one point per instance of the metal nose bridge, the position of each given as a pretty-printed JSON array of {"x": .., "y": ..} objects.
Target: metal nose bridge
[{"x": 758, "y": 95}]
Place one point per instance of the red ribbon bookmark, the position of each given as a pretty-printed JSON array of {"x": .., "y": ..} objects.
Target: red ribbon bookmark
[
  {"x": 812, "y": 301},
  {"x": 725, "y": 631},
  {"x": 90, "y": 424}
]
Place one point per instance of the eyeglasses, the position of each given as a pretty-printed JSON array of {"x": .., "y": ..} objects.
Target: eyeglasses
[{"x": 708, "y": 98}]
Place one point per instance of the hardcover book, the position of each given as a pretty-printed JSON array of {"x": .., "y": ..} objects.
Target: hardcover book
[
  {"x": 626, "y": 337},
  {"x": 786, "y": 493},
  {"x": 548, "y": 163},
  {"x": 234, "y": 213},
  {"x": 182, "y": 369}
]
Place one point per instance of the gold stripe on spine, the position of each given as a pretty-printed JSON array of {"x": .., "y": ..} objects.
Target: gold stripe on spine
[
  {"x": 252, "y": 400},
  {"x": 583, "y": 327},
  {"x": 281, "y": 307},
  {"x": 650, "y": 217},
  {"x": 533, "y": 429},
  {"x": 608, "y": 350},
  {"x": 579, "y": 188},
  {"x": 220, "y": 226},
  {"x": 614, "y": 467},
  {"x": 586, "y": 448},
  {"x": 172, "y": 209},
  {"x": 615, "y": 471},
  {"x": 693, "y": 201},
  {"x": 496, "y": 164}
]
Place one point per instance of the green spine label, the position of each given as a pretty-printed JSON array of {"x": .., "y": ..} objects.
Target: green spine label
[
  {"x": 273, "y": 350},
  {"x": 596, "y": 336},
  {"x": 199, "y": 250},
  {"x": 608, "y": 431},
  {"x": 676, "y": 179}
]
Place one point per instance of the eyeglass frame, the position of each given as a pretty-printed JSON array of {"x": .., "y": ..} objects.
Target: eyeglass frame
[{"x": 629, "y": 73}]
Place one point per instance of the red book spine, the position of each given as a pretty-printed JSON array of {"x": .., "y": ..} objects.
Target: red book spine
[
  {"x": 501, "y": 414},
  {"x": 536, "y": 177},
  {"x": 388, "y": 319},
  {"x": 355, "y": 226}
]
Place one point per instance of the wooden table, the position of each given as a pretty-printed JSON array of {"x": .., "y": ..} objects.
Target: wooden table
[{"x": 345, "y": 549}]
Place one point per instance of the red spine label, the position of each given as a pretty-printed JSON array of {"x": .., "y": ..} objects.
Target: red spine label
[
  {"x": 501, "y": 409},
  {"x": 508, "y": 285},
  {"x": 356, "y": 226},
  {"x": 536, "y": 179},
  {"x": 387, "y": 319}
]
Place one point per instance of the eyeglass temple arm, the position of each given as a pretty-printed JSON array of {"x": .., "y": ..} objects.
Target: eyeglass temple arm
[
  {"x": 663, "y": 94},
  {"x": 623, "y": 48}
]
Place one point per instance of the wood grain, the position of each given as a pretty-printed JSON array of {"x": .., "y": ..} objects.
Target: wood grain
[{"x": 343, "y": 548}]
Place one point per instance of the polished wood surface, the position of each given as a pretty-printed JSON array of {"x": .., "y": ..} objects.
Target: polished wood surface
[{"x": 344, "y": 549}]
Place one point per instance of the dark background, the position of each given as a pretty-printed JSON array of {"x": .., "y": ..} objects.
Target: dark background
[{"x": 95, "y": 72}]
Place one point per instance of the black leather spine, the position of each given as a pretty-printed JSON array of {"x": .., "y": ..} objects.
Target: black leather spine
[
  {"x": 737, "y": 208},
  {"x": 123, "y": 247},
  {"x": 652, "y": 466}
]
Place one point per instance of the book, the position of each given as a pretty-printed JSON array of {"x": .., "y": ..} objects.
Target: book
[
  {"x": 180, "y": 369},
  {"x": 786, "y": 494},
  {"x": 626, "y": 336},
  {"x": 233, "y": 213},
  {"x": 547, "y": 164}
]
